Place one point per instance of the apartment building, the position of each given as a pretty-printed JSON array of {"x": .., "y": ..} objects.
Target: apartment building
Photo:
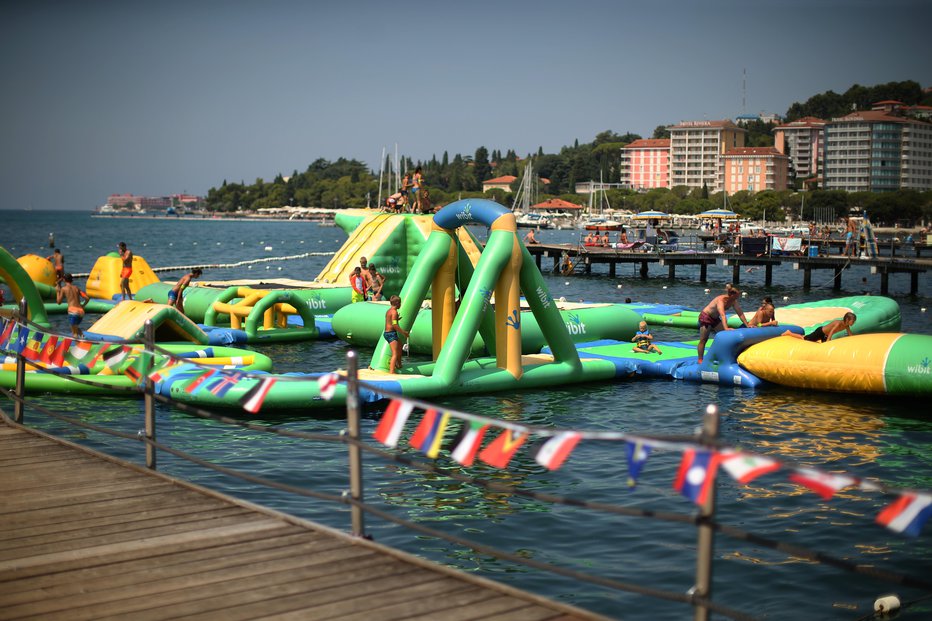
[
  {"x": 754, "y": 169},
  {"x": 696, "y": 149},
  {"x": 645, "y": 164},
  {"x": 878, "y": 150},
  {"x": 802, "y": 140}
]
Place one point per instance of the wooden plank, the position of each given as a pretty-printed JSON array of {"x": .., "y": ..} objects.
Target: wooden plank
[
  {"x": 60, "y": 584},
  {"x": 88, "y": 538},
  {"x": 129, "y": 528},
  {"x": 159, "y": 594}
]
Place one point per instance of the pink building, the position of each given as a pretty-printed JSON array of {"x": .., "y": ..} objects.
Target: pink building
[
  {"x": 646, "y": 163},
  {"x": 754, "y": 169},
  {"x": 499, "y": 183}
]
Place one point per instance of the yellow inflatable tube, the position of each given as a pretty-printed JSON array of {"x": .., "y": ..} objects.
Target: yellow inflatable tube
[{"x": 886, "y": 363}]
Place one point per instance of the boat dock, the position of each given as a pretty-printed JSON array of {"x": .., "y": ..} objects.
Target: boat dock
[
  {"x": 584, "y": 257},
  {"x": 87, "y": 536}
]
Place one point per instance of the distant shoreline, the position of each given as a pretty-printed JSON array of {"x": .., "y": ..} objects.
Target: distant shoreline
[{"x": 211, "y": 218}]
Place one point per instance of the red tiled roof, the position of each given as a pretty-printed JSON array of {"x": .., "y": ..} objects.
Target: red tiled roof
[
  {"x": 649, "y": 143},
  {"x": 873, "y": 115},
  {"x": 505, "y": 179},
  {"x": 556, "y": 203},
  {"x": 888, "y": 102},
  {"x": 806, "y": 121}
]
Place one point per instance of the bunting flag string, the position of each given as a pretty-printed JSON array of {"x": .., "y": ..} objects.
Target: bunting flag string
[
  {"x": 327, "y": 384},
  {"x": 254, "y": 398},
  {"x": 636, "y": 453},
  {"x": 393, "y": 421}
]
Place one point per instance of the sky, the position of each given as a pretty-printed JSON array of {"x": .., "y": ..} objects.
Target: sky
[{"x": 157, "y": 98}]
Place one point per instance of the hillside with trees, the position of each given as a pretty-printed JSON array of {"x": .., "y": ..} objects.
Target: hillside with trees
[{"x": 348, "y": 183}]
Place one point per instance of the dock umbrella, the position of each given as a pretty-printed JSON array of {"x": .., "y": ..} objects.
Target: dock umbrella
[
  {"x": 649, "y": 215},
  {"x": 718, "y": 213}
]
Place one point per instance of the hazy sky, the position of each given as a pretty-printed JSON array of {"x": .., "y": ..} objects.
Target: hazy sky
[{"x": 161, "y": 97}]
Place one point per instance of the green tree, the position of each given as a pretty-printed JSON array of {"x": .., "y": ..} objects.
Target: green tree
[{"x": 481, "y": 168}]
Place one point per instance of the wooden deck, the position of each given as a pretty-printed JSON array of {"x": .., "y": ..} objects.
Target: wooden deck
[{"x": 85, "y": 536}]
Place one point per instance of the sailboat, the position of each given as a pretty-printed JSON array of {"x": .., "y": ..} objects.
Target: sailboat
[
  {"x": 600, "y": 222},
  {"x": 524, "y": 197}
]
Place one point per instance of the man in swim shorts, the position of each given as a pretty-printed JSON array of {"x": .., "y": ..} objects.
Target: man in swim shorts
[
  {"x": 176, "y": 295},
  {"x": 126, "y": 256},
  {"x": 77, "y": 300},
  {"x": 712, "y": 318},
  {"x": 391, "y": 332}
]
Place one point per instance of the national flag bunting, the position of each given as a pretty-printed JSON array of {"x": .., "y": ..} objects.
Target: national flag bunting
[
  {"x": 84, "y": 352},
  {"x": 33, "y": 349},
  {"x": 636, "y": 453},
  {"x": 49, "y": 348},
  {"x": 393, "y": 421},
  {"x": 555, "y": 451},
  {"x": 822, "y": 483},
  {"x": 500, "y": 450},
  {"x": 744, "y": 467},
  {"x": 696, "y": 476},
  {"x": 22, "y": 337},
  {"x": 429, "y": 433},
  {"x": 254, "y": 398},
  {"x": 227, "y": 381},
  {"x": 116, "y": 355},
  {"x": 57, "y": 357},
  {"x": 465, "y": 445},
  {"x": 907, "y": 514},
  {"x": 327, "y": 384},
  {"x": 6, "y": 332},
  {"x": 198, "y": 382}
]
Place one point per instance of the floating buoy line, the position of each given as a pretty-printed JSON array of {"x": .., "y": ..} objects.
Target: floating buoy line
[{"x": 217, "y": 266}]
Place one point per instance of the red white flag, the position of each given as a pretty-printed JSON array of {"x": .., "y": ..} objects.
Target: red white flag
[
  {"x": 822, "y": 483},
  {"x": 744, "y": 467},
  {"x": 393, "y": 422},
  {"x": 328, "y": 386},
  {"x": 555, "y": 451}
]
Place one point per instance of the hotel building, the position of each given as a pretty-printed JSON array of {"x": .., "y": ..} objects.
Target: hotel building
[
  {"x": 696, "y": 149},
  {"x": 877, "y": 151},
  {"x": 802, "y": 140},
  {"x": 645, "y": 164},
  {"x": 754, "y": 169}
]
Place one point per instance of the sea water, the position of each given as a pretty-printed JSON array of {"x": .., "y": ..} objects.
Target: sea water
[{"x": 882, "y": 437}]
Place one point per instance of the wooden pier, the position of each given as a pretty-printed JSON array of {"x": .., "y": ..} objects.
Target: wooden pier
[
  {"x": 584, "y": 257},
  {"x": 86, "y": 536}
]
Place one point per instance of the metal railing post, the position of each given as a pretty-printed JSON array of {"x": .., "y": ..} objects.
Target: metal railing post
[
  {"x": 149, "y": 340},
  {"x": 705, "y": 542},
  {"x": 19, "y": 406},
  {"x": 355, "y": 453}
]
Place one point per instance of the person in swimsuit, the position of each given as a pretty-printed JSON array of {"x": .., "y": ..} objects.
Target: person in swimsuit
[
  {"x": 358, "y": 283},
  {"x": 126, "y": 255},
  {"x": 77, "y": 300},
  {"x": 391, "y": 332},
  {"x": 529, "y": 237},
  {"x": 712, "y": 318},
  {"x": 176, "y": 295},
  {"x": 416, "y": 185},
  {"x": 643, "y": 340},
  {"x": 764, "y": 315},
  {"x": 58, "y": 262},
  {"x": 851, "y": 245},
  {"x": 826, "y": 332},
  {"x": 374, "y": 282}
]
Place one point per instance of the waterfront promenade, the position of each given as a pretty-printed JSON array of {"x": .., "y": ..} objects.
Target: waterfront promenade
[{"x": 87, "y": 536}]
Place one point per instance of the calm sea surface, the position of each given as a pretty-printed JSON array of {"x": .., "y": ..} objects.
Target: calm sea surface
[{"x": 882, "y": 437}]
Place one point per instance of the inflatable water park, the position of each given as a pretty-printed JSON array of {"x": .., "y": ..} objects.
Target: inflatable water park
[{"x": 483, "y": 315}]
